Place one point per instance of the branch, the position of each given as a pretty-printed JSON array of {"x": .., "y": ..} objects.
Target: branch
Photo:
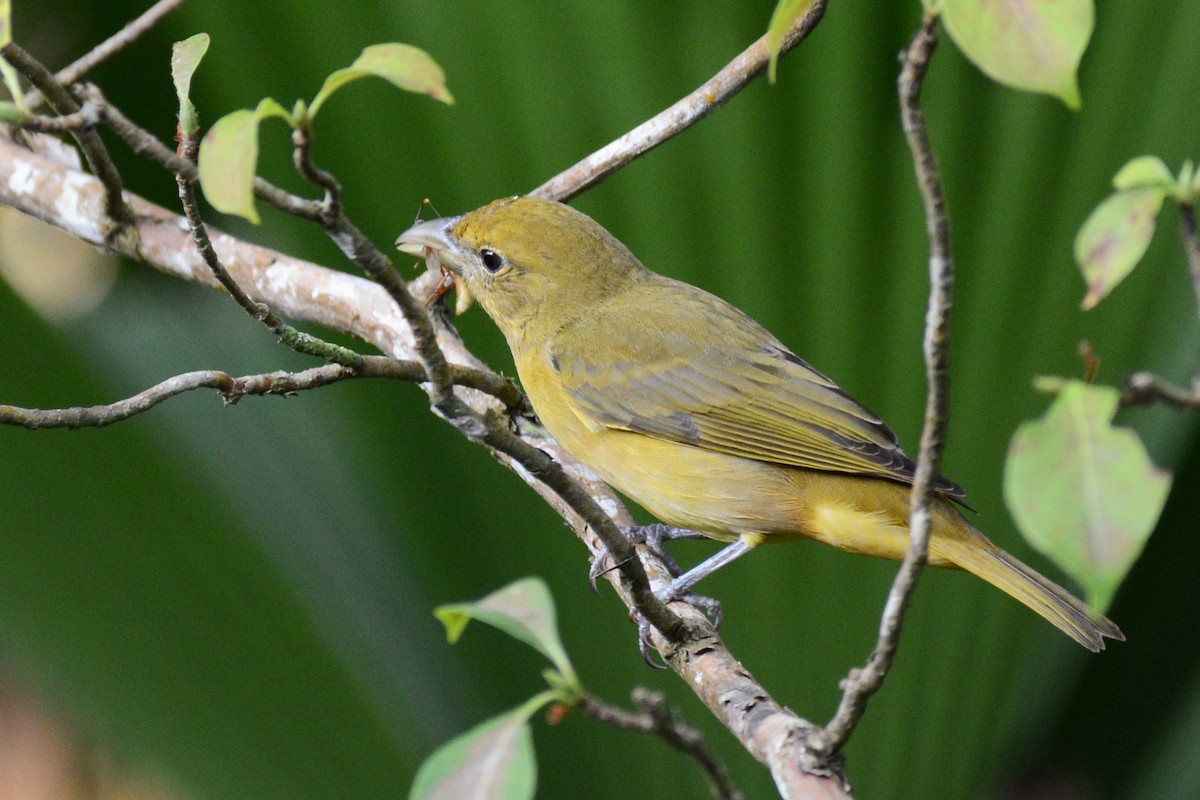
[
  {"x": 109, "y": 47},
  {"x": 655, "y": 717},
  {"x": 711, "y": 95},
  {"x": 234, "y": 389},
  {"x": 89, "y": 141},
  {"x": 147, "y": 145},
  {"x": 861, "y": 684},
  {"x": 1145, "y": 388}
]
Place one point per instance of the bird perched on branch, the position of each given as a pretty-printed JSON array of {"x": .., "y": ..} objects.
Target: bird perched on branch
[{"x": 696, "y": 411}]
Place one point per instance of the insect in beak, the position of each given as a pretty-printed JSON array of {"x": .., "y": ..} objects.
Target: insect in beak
[{"x": 444, "y": 285}]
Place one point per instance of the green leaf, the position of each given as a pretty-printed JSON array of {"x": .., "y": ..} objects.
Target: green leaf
[
  {"x": 229, "y": 158},
  {"x": 402, "y": 65},
  {"x": 185, "y": 57},
  {"x": 524, "y": 610},
  {"x": 1144, "y": 172},
  {"x": 5, "y": 22},
  {"x": 492, "y": 760},
  {"x": 782, "y": 19},
  {"x": 1027, "y": 44},
  {"x": 1114, "y": 238},
  {"x": 1083, "y": 492}
]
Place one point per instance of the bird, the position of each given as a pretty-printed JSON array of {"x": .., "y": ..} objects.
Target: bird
[{"x": 698, "y": 413}]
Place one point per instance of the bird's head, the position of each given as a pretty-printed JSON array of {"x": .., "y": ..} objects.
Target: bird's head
[{"x": 523, "y": 258}]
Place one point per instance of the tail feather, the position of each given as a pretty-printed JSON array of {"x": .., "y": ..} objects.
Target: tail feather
[{"x": 1058, "y": 606}]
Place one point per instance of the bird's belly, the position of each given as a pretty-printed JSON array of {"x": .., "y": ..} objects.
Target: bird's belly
[{"x": 720, "y": 495}]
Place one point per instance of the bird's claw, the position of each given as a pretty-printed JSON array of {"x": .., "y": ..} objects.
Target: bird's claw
[
  {"x": 652, "y": 537},
  {"x": 709, "y": 606}
]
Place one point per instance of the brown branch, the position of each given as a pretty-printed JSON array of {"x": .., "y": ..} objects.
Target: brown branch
[
  {"x": 231, "y": 389},
  {"x": 655, "y": 717},
  {"x": 85, "y": 117},
  {"x": 147, "y": 145},
  {"x": 234, "y": 389},
  {"x": 297, "y": 340},
  {"x": 864, "y": 682},
  {"x": 109, "y": 47},
  {"x": 711, "y": 95},
  {"x": 89, "y": 141},
  {"x": 1146, "y": 388}
]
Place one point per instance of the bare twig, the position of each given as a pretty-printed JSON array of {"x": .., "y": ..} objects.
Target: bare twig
[
  {"x": 711, "y": 95},
  {"x": 109, "y": 47},
  {"x": 234, "y": 389},
  {"x": 1144, "y": 388},
  {"x": 231, "y": 389},
  {"x": 656, "y": 717},
  {"x": 298, "y": 340},
  {"x": 85, "y": 117},
  {"x": 145, "y": 144},
  {"x": 862, "y": 683},
  {"x": 89, "y": 141}
]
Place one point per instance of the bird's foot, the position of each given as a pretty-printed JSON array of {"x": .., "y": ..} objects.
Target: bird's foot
[
  {"x": 651, "y": 536},
  {"x": 654, "y": 537},
  {"x": 709, "y": 606}
]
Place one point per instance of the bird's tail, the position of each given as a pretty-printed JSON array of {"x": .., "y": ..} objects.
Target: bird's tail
[{"x": 1059, "y": 607}]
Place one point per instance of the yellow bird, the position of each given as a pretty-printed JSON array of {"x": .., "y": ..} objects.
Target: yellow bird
[{"x": 696, "y": 411}]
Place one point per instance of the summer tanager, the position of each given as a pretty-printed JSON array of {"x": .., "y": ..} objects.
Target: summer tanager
[{"x": 696, "y": 411}]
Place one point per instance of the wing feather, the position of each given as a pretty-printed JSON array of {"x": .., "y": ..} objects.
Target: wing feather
[{"x": 702, "y": 373}]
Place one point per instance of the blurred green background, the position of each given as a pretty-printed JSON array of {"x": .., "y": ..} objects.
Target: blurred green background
[{"x": 238, "y": 599}]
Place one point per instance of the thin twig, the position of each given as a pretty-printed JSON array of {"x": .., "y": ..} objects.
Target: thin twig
[
  {"x": 233, "y": 389},
  {"x": 862, "y": 683},
  {"x": 711, "y": 95},
  {"x": 89, "y": 141},
  {"x": 657, "y": 718},
  {"x": 1145, "y": 388},
  {"x": 145, "y": 144},
  {"x": 298, "y": 340},
  {"x": 85, "y": 117},
  {"x": 109, "y": 47}
]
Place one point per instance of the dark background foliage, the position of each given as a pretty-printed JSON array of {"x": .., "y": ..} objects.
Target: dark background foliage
[{"x": 240, "y": 597}]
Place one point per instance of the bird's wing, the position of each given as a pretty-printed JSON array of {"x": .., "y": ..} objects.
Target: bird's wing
[{"x": 705, "y": 374}]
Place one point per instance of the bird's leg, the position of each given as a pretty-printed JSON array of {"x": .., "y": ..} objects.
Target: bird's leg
[{"x": 680, "y": 588}]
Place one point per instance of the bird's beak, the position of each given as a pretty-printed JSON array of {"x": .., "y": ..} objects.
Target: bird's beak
[
  {"x": 429, "y": 235},
  {"x": 431, "y": 240}
]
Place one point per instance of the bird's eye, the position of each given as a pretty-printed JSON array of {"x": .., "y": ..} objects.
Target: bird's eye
[{"x": 492, "y": 261}]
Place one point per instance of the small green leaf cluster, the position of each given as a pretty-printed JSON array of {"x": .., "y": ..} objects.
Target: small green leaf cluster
[
  {"x": 229, "y": 152},
  {"x": 495, "y": 759},
  {"x": 1116, "y": 234}
]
